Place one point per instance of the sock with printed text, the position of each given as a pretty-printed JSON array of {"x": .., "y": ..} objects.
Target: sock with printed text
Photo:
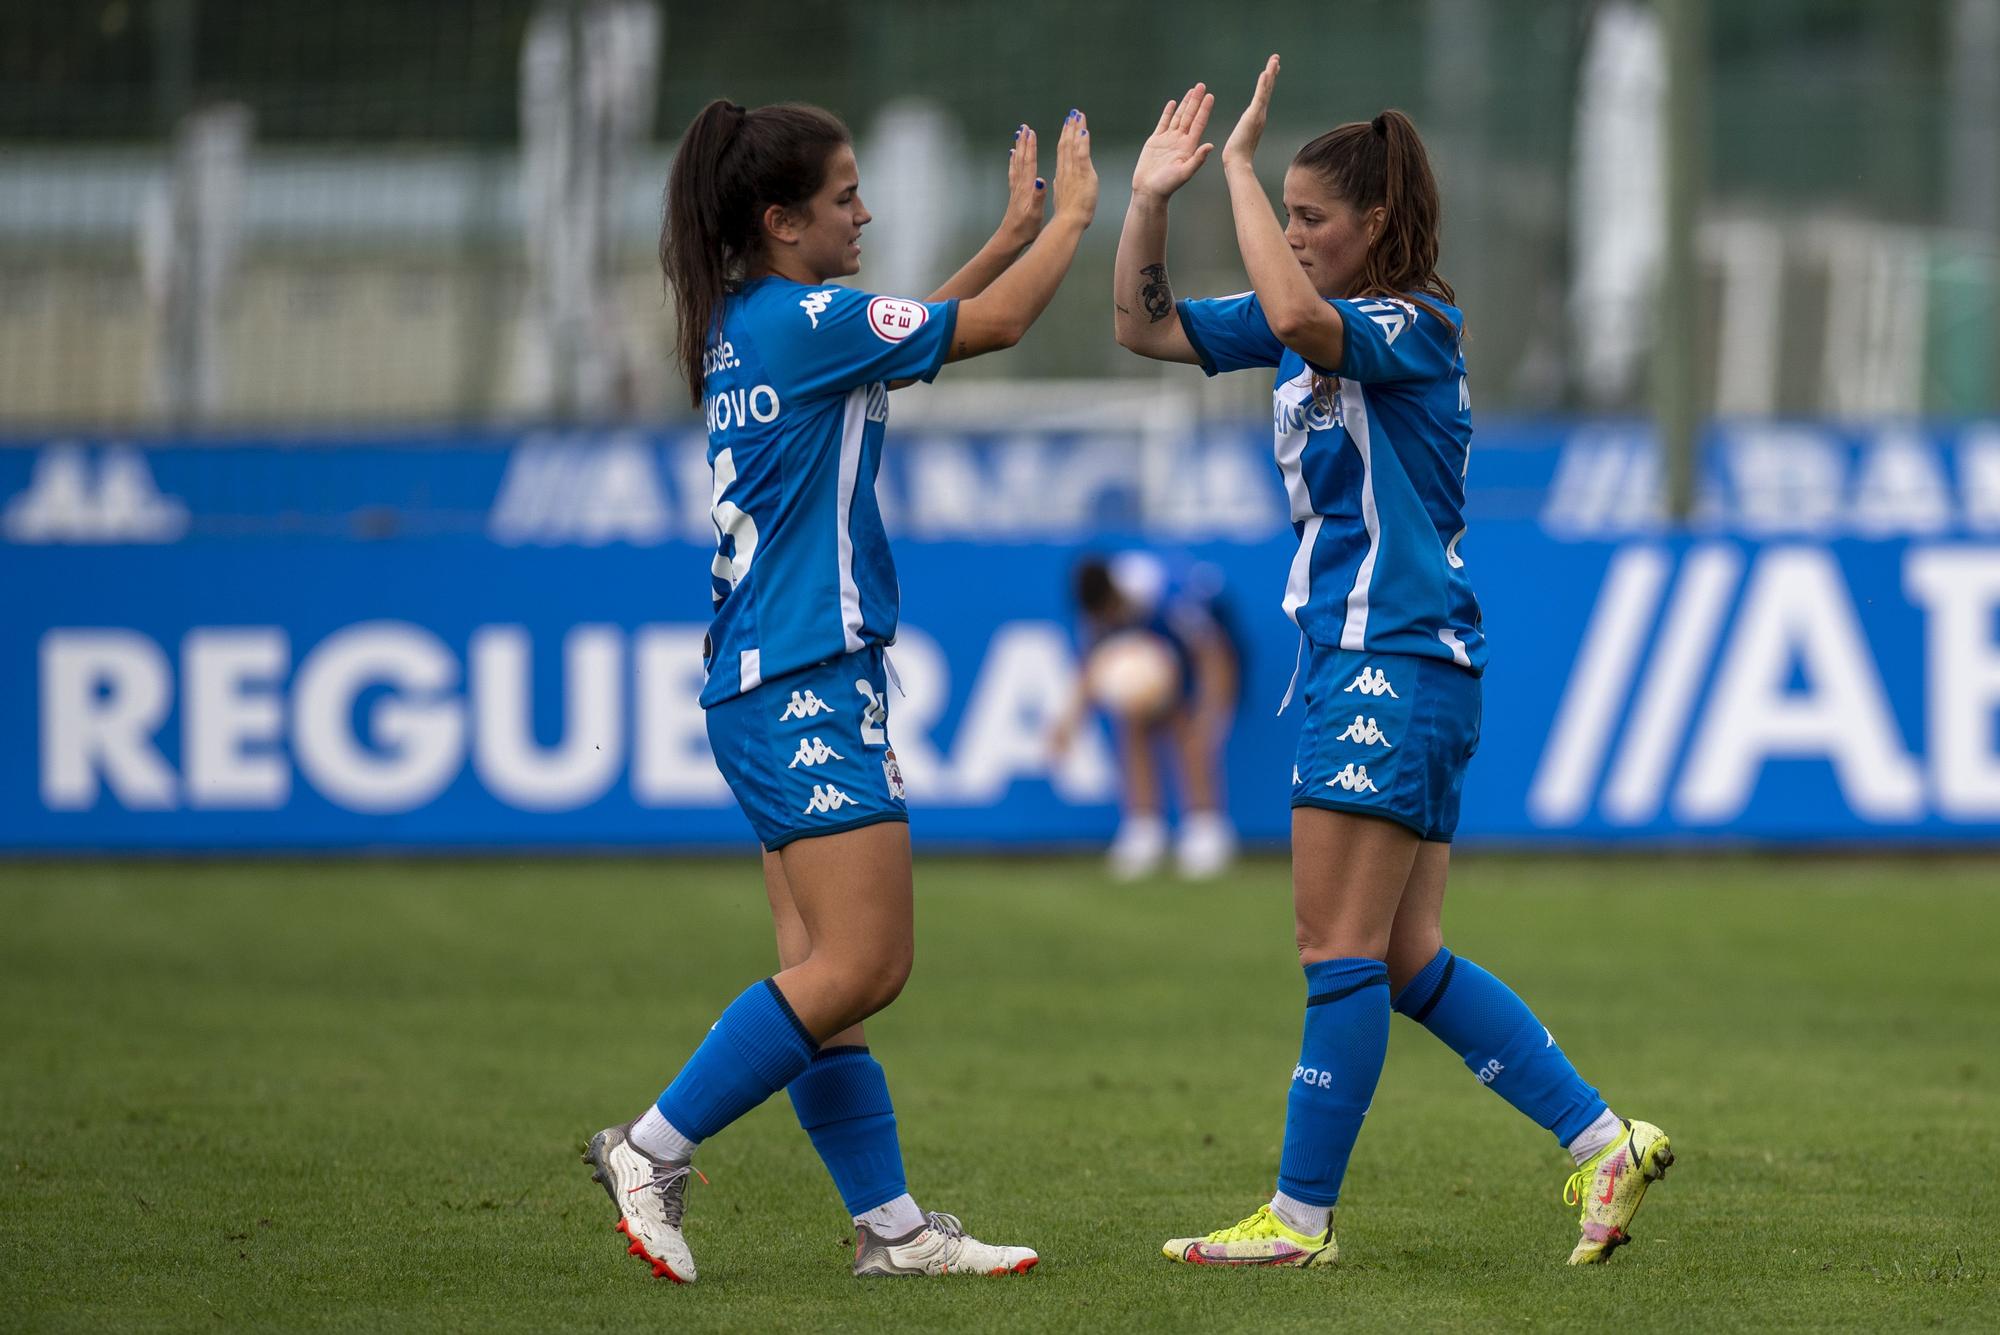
[
  {"x": 842, "y": 1100},
  {"x": 1505, "y": 1046},
  {"x": 1340, "y": 1059},
  {"x": 754, "y": 1050}
]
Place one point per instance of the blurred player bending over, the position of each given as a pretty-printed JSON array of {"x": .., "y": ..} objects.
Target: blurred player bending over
[
  {"x": 1160, "y": 660},
  {"x": 763, "y": 211},
  {"x": 1373, "y": 437}
]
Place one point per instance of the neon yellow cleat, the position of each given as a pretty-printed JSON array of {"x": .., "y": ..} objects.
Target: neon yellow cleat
[
  {"x": 1262, "y": 1239},
  {"x": 1609, "y": 1188}
]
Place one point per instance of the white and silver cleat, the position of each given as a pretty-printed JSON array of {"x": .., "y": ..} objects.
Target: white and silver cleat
[
  {"x": 940, "y": 1247},
  {"x": 651, "y": 1197}
]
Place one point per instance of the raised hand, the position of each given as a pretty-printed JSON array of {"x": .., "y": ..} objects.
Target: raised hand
[
  {"x": 1076, "y": 177},
  {"x": 1027, "y": 193},
  {"x": 1242, "y": 145},
  {"x": 1174, "y": 152}
]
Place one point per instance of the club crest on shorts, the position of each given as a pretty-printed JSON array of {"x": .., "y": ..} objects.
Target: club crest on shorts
[{"x": 894, "y": 774}]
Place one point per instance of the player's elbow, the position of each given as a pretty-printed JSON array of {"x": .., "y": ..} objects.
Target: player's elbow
[
  {"x": 1290, "y": 325},
  {"x": 1009, "y": 332}
]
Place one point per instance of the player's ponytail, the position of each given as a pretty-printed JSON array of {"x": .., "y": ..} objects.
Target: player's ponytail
[
  {"x": 732, "y": 164},
  {"x": 1383, "y": 162}
]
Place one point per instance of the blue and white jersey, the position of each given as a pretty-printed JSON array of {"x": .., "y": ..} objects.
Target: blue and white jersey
[
  {"x": 1374, "y": 454},
  {"x": 796, "y": 404}
]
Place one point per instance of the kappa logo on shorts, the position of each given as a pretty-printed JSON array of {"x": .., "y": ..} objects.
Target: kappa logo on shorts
[
  {"x": 804, "y": 704},
  {"x": 814, "y": 752},
  {"x": 1372, "y": 681},
  {"x": 815, "y": 304},
  {"x": 894, "y": 774},
  {"x": 1366, "y": 733},
  {"x": 1354, "y": 779},
  {"x": 827, "y": 798}
]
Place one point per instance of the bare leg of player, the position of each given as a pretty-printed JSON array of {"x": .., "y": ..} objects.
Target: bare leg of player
[
  {"x": 1141, "y": 843},
  {"x": 1207, "y": 843}
]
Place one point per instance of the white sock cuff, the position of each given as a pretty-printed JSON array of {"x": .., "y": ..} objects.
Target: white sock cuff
[
  {"x": 1607, "y": 1128},
  {"x": 1301, "y": 1216},
  {"x": 654, "y": 1135},
  {"x": 893, "y": 1219}
]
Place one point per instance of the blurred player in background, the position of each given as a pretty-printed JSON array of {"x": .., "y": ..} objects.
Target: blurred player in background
[
  {"x": 763, "y": 211},
  {"x": 1374, "y": 434},
  {"x": 1160, "y": 659}
]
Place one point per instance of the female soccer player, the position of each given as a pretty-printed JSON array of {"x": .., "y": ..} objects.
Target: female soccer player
[
  {"x": 763, "y": 211},
  {"x": 1374, "y": 429}
]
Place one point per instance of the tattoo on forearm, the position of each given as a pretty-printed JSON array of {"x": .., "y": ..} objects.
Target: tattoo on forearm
[{"x": 1155, "y": 294}]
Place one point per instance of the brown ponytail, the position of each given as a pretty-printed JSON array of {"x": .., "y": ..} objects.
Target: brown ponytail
[
  {"x": 731, "y": 165},
  {"x": 1383, "y": 162}
]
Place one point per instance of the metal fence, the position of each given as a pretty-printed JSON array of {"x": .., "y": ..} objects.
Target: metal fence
[{"x": 284, "y": 215}]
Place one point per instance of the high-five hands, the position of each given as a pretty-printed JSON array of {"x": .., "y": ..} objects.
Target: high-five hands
[
  {"x": 1027, "y": 193},
  {"x": 1242, "y": 144},
  {"x": 1076, "y": 178},
  {"x": 1175, "y": 151}
]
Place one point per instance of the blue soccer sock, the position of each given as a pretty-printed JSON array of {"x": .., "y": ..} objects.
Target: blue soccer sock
[
  {"x": 842, "y": 1100},
  {"x": 1513, "y": 1053},
  {"x": 756, "y": 1049},
  {"x": 1340, "y": 1059}
]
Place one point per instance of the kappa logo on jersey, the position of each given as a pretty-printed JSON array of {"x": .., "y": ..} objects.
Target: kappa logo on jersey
[
  {"x": 894, "y": 319},
  {"x": 814, "y": 752},
  {"x": 1393, "y": 316},
  {"x": 1372, "y": 681},
  {"x": 1354, "y": 779},
  {"x": 827, "y": 798},
  {"x": 894, "y": 774},
  {"x": 814, "y": 304},
  {"x": 805, "y": 704},
  {"x": 1365, "y": 732}
]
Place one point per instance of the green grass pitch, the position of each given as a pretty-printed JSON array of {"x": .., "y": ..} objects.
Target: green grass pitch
[{"x": 350, "y": 1095}]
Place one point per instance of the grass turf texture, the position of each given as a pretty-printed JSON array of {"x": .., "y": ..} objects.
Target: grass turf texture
[{"x": 350, "y": 1096}]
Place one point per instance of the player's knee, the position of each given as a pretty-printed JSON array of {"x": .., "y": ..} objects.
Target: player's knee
[
  {"x": 872, "y": 983},
  {"x": 1408, "y": 954},
  {"x": 1315, "y": 945}
]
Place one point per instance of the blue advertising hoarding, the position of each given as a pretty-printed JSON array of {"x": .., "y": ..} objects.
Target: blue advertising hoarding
[{"x": 494, "y": 641}]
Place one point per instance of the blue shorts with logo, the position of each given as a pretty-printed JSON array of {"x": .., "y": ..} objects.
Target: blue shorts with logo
[
  {"x": 808, "y": 754},
  {"x": 1387, "y": 735}
]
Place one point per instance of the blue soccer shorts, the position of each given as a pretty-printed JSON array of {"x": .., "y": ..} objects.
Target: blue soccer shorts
[
  {"x": 808, "y": 754},
  {"x": 1387, "y": 735}
]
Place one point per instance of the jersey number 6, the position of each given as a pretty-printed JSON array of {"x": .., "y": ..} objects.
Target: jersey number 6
[{"x": 730, "y": 522}]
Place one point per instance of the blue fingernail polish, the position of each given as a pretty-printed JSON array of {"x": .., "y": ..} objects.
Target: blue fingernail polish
[{"x": 1038, "y": 183}]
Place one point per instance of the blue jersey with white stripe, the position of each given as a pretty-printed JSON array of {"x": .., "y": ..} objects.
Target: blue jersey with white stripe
[
  {"x": 1374, "y": 454},
  {"x": 795, "y": 396}
]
